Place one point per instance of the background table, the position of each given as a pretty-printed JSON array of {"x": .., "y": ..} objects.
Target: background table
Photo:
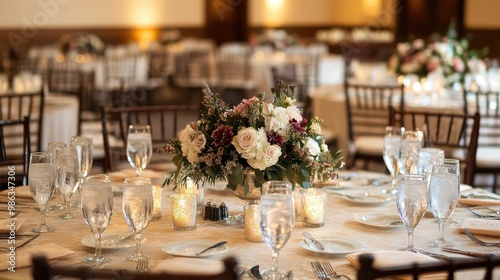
[{"x": 60, "y": 120}]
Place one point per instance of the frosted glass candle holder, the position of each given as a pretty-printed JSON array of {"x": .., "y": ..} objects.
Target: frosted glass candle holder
[
  {"x": 313, "y": 207},
  {"x": 158, "y": 201},
  {"x": 183, "y": 207},
  {"x": 253, "y": 232},
  {"x": 190, "y": 187}
]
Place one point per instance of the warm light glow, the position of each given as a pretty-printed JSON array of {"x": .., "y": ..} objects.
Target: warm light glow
[
  {"x": 274, "y": 13},
  {"x": 313, "y": 207},
  {"x": 417, "y": 87},
  {"x": 145, "y": 36},
  {"x": 157, "y": 201},
  {"x": 183, "y": 209},
  {"x": 372, "y": 7},
  {"x": 274, "y": 4},
  {"x": 253, "y": 232}
]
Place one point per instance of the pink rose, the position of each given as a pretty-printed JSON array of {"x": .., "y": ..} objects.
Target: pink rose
[{"x": 245, "y": 140}]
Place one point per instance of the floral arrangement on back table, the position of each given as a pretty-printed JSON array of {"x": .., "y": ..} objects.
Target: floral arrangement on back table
[{"x": 270, "y": 138}]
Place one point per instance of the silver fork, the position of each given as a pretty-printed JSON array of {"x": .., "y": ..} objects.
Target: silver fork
[
  {"x": 477, "y": 215},
  {"x": 319, "y": 271},
  {"x": 142, "y": 265},
  {"x": 331, "y": 272},
  {"x": 479, "y": 241}
]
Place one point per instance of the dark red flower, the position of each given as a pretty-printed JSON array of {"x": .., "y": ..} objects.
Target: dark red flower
[
  {"x": 299, "y": 127},
  {"x": 274, "y": 138},
  {"x": 223, "y": 136}
]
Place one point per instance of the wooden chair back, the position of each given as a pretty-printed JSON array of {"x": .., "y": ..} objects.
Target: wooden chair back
[
  {"x": 14, "y": 152},
  {"x": 450, "y": 132}
]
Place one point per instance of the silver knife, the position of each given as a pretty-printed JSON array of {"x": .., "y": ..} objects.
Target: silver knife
[
  {"x": 468, "y": 253},
  {"x": 211, "y": 247},
  {"x": 436, "y": 256}
]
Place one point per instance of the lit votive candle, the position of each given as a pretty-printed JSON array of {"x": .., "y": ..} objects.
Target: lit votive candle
[
  {"x": 253, "y": 232},
  {"x": 313, "y": 207},
  {"x": 183, "y": 209},
  {"x": 157, "y": 200},
  {"x": 191, "y": 187}
]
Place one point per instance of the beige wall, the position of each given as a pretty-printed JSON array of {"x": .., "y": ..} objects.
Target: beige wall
[
  {"x": 272, "y": 13},
  {"x": 101, "y": 13},
  {"x": 482, "y": 14}
]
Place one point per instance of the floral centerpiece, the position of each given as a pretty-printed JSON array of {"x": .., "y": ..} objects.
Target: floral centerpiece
[
  {"x": 270, "y": 138},
  {"x": 81, "y": 43},
  {"x": 277, "y": 39}
]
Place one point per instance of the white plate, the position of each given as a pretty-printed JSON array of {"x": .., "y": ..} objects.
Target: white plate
[
  {"x": 107, "y": 241},
  {"x": 379, "y": 220},
  {"x": 333, "y": 246},
  {"x": 189, "y": 248},
  {"x": 366, "y": 198}
]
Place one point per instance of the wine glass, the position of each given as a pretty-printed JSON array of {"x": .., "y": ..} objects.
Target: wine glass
[
  {"x": 390, "y": 152},
  {"x": 139, "y": 147},
  {"x": 443, "y": 197},
  {"x": 67, "y": 177},
  {"x": 279, "y": 187},
  {"x": 427, "y": 158},
  {"x": 276, "y": 223},
  {"x": 453, "y": 162},
  {"x": 408, "y": 152},
  {"x": 97, "y": 209},
  {"x": 85, "y": 150},
  {"x": 60, "y": 205},
  {"x": 411, "y": 202},
  {"x": 137, "y": 207},
  {"x": 41, "y": 180}
]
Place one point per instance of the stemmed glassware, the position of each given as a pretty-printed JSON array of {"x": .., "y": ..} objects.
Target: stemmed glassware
[
  {"x": 41, "y": 180},
  {"x": 279, "y": 187},
  {"x": 139, "y": 147},
  {"x": 453, "y": 162},
  {"x": 97, "y": 208},
  {"x": 60, "y": 205},
  {"x": 85, "y": 151},
  {"x": 390, "y": 152},
  {"x": 411, "y": 202},
  {"x": 276, "y": 223},
  {"x": 137, "y": 207},
  {"x": 67, "y": 177},
  {"x": 408, "y": 152},
  {"x": 443, "y": 197},
  {"x": 427, "y": 158}
]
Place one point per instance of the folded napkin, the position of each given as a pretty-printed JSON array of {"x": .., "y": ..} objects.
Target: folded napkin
[
  {"x": 5, "y": 224},
  {"x": 387, "y": 258},
  {"x": 481, "y": 226},
  {"x": 486, "y": 198},
  {"x": 23, "y": 257},
  {"x": 191, "y": 266},
  {"x": 119, "y": 176}
]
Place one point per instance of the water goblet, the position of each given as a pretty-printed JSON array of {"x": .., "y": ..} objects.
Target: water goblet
[
  {"x": 411, "y": 202},
  {"x": 41, "y": 181},
  {"x": 276, "y": 223},
  {"x": 443, "y": 197},
  {"x": 67, "y": 177},
  {"x": 408, "y": 152},
  {"x": 137, "y": 207},
  {"x": 139, "y": 147},
  {"x": 453, "y": 162},
  {"x": 97, "y": 209},
  {"x": 60, "y": 205},
  {"x": 427, "y": 158},
  {"x": 279, "y": 187},
  {"x": 85, "y": 150},
  {"x": 390, "y": 153}
]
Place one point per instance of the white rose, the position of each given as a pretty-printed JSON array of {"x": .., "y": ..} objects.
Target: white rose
[
  {"x": 324, "y": 147},
  {"x": 273, "y": 153},
  {"x": 313, "y": 147},
  {"x": 245, "y": 140},
  {"x": 267, "y": 110},
  {"x": 258, "y": 162},
  {"x": 273, "y": 124},
  {"x": 281, "y": 114},
  {"x": 294, "y": 113},
  {"x": 315, "y": 128}
]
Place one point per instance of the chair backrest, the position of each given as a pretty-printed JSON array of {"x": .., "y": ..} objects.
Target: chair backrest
[
  {"x": 16, "y": 106},
  {"x": 14, "y": 151},
  {"x": 165, "y": 122},
  {"x": 120, "y": 71},
  {"x": 487, "y": 104},
  {"x": 42, "y": 270},
  {"x": 234, "y": 63},
  {"x": 159, "y": 63},
  {"x": 450, "y": 132},
  {"x": 367, "y": 107},
  {"x": 193, "y": 64},
  {"x": 367, "y": 271}
]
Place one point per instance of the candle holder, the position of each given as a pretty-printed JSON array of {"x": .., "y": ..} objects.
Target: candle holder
[
  {"x": 158, "y": 202},
  {"x": 313, "y": 207},
  {"x": 191, "y": 187},
  {"x": 253, "y": 232},
  {"x": 183, "y": 208}
]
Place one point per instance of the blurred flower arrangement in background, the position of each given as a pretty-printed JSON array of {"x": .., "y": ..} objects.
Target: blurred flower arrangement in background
[
  {"x": 277, "y": 39},
  {"x": 80, "y": 43},
  {"x": 270, "y": 138}
]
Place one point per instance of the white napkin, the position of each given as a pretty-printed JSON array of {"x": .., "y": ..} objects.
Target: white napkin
[
  {"x": 493, "y": 200},
  {"x": 387, "y": 258},
  {"x": 481, "y": 226},
  {"x": 191, "y": 266},
  {"x": 5, "y": 224},
  {"x": 23, "y": 257}
]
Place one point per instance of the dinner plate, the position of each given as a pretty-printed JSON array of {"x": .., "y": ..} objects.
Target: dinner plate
[
  {"x": 379, "y": 220},
  {"x": 366, "y": 198},
  {"x": 189, "y": 248},
  {"x": 108, "y": 241},
  {"x": 337, "y": 247}
]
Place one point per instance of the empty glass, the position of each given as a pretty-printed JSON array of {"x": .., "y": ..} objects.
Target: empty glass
[
  {"x": 97, "y": 208},
  {"x": 85, "y": 150},
  {"x": 137, "y": 207},
  {"x": 443, "y": 197},
  {"x": 390, "y": 153},
  {"x": 408, "y": 152},
  {"x": 411, "y": 202},
  {"x": 139, "y": 147},
  {"x": 41, "y": 181},
  {"x": 67, "y": 176}
]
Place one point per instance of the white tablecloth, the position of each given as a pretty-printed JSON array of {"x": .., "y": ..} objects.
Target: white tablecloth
[{"x": 60, "y": 120}]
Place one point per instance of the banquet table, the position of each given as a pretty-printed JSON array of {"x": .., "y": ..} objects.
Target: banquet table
[
  {"x": 60, "y": 120},
  {"x": 339, "y": 224}
]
